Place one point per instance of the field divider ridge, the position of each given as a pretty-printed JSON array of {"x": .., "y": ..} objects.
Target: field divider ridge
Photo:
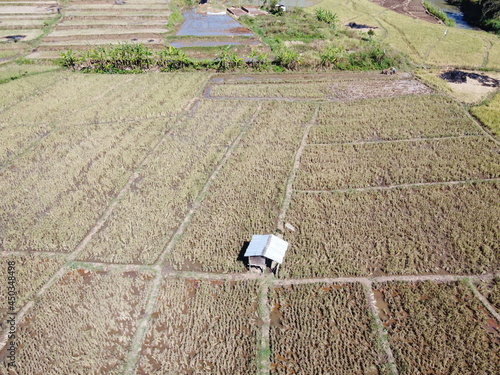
[
  {"x": 403, "y": 140},
  {"x": 483, "y": 300},
  {"x": 380, "y": 332},
  {"x": 264, "y": 350},
  {"x": 168, "y": 247},
  {"x": 293, "y": 173},
  {"x": 389, "y": 187},
  {"x": 143, "y": 325}
]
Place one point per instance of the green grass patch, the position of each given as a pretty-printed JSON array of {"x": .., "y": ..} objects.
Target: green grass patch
[{"x": 489, "y": 114}]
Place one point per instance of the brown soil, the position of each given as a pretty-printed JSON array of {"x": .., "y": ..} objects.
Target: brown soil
[{"x": 411, "y": 8}]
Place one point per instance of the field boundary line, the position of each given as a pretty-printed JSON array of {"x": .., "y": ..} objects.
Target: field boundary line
[
  {"x": 483, "y": 299},
  {"x": 293, "y": 173},
  {"x": 27, "y": 307},
  {"x": 168, "y": 247},
  {"x": 7, "y": 253},
  {"x": 482, "y": 129},
  {"x": 389, "y": 187},
  {"x": 380, "y": 333},
  {"x": 402, "y": 140},
  {"x": 264, "y": 354},
  {"x": 133, "y": 355},
  {"x": 383, "y": 279}
]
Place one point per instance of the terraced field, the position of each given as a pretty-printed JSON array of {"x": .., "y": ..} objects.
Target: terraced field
[{"x": 127, "y": 201}]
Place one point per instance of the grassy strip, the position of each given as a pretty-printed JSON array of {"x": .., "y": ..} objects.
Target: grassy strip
[
  {"x": 439, "y": 328},
  {"x": 439, "y": 14},
  {"x": 489, "y": 114}
]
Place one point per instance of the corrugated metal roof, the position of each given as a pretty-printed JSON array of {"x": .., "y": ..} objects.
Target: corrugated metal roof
[{"x": 267, "y": 245}]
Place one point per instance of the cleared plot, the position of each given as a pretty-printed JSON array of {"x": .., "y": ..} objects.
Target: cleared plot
[
  {"x": 54, "y": 193},
  {"x": 31, "y": 272},
  {"x": 29, "y": 34},
  {"x": 246, "y": 196},
  {"x": 439, "y": 329},
  {"x": 397, "y": 231},
  {"x": 327, "y": 167},
  {"x": 83, "y": 324},
  {"x": 391, "y": 119},
  {"x": 323, "y": 329},
  {"x": 26, "y": 87},
  {"x": 202, "y": 327},
  {"x": 146, "y": 218},
  {"x": 491, "y": 290},
  {"x": 327, "y": 89}
]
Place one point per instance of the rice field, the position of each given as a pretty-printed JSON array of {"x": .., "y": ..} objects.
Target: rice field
[{"x": 127, "y": 202}]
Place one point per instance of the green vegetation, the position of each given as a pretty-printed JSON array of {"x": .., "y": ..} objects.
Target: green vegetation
[
  {"x": 425, "y": 43},
  {"x": 489, "y": 114},
  {"x": 323, "y": 329},
  {"x": 297, "y": 38},
  {"x": 202, "y": 327},
  {"x": 438, "y": 13},
  {"x": 439, "y": 329}
]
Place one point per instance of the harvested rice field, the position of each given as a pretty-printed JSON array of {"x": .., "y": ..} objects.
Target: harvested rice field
[{"x": 127, "y": 202}]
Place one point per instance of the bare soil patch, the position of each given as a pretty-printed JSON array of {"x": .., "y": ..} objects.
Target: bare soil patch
[{"x": 411, "y": 8}]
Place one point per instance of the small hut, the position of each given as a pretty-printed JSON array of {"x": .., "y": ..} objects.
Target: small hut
[{"x": 266, "y": 250}]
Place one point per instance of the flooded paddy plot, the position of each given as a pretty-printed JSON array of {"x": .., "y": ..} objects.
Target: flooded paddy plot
[
  {"x": 439, "y": 328},
  {"x": 86, "y": 319},
  {"x": 202, "y": 326},
  {"x": 323, "y": 329},
  {"x": 426, "y": 229},
  {"x": 197, "y": 24}
]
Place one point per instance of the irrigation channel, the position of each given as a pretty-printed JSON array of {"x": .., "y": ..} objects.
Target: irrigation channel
[{"x": 454, "y": 13}]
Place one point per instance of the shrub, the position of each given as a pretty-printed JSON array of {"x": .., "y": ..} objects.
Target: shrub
[
  {"x": 326, "y": 16},
  {"x": 287, "y": 58}
]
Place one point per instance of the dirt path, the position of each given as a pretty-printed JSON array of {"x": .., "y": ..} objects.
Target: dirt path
[
  {"x": 296, "y": 164},
  {"x": 398, "y": 140},
  {"x": 389, "y": 187},
  {"x": 379, "y": 328}
]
